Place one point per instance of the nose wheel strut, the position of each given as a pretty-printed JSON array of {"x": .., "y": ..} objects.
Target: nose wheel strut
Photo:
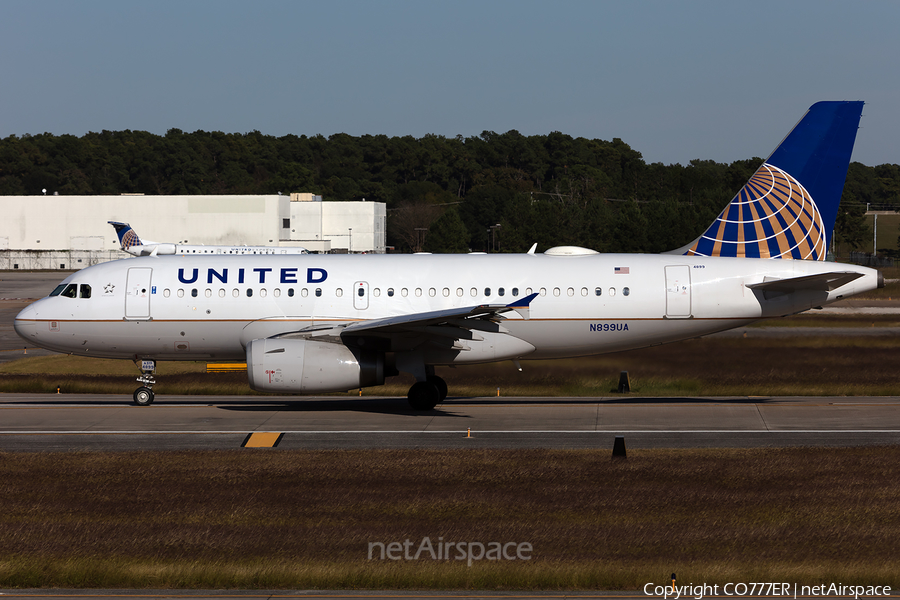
[{"x": 143, "y": 396}]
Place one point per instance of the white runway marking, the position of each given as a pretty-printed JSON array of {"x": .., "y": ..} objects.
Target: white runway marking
[{"x": 462, "y": 432}]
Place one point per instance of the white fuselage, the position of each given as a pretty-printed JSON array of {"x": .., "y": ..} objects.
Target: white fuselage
[
  {"x": 211, "y": 307},
  {"x": 163, "y": 249}
]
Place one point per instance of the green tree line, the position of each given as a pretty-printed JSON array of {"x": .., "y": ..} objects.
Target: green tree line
[{"x": 492, "y": 192}]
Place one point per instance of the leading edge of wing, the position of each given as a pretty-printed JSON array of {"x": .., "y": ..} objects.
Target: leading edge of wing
[{"x": 436, "y": 317}]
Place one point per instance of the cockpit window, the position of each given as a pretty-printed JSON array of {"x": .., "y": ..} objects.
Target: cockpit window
[
  {"x": 71, "y": 291},
  {"x": 58, "y": 289},
  {"x": 85, "y": 290}
]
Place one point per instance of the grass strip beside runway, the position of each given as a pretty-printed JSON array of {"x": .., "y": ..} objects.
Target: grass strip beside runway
[
  {"x": 796, "y": 365},
  {"x": 306, "y": 519}
]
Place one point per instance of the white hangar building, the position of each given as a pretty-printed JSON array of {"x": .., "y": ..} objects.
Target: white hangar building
[{"x": 71, "y": 232}]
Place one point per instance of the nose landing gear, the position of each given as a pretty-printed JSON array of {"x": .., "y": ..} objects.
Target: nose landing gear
[{"x": 143, "y": 396}]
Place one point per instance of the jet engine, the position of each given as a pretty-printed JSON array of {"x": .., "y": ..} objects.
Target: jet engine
[
  {"x": 166, "y": 249},
  {"x": 291, "y": 365}
]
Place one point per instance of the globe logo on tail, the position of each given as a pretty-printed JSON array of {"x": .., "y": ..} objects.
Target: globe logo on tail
[
  {"x": 130, "y": 239},
  {"x": 773, "y": 216}
]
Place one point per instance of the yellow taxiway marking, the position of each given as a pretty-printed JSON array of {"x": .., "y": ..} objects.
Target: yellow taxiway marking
[{"x": 262, "y": 439}]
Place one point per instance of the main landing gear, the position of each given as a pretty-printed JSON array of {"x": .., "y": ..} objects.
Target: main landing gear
[
  {"x": 143, "y": 396},
  {"x": 425, "y": 395}
]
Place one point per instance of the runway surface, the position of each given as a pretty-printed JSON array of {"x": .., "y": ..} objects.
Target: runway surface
[{"x": 50, "y": 422}]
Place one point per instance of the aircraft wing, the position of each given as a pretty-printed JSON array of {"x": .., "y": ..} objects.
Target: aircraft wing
[
  {"x": 450, "y": 323},
  {"x": 823, "y": 282},
  {"x": 455, "y": 316}
]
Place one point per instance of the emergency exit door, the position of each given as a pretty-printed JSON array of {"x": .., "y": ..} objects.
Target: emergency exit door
[{"x": 360, "y": 295}]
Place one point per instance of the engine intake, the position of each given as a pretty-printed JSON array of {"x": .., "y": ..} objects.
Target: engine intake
[{"x": 289, "y": 365}]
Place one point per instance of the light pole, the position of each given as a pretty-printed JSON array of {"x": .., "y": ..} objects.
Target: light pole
[
  {"x": 419, "y": 244},
  {"x": 493, "y": 229}
]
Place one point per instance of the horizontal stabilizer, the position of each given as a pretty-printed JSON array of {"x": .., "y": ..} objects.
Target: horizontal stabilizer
[{"x": 824, "y": 282}]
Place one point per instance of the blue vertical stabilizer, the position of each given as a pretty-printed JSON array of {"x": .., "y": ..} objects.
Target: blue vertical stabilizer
[
  {"x": 127, "y": 236},
  {"x": 789, "y": 206}
]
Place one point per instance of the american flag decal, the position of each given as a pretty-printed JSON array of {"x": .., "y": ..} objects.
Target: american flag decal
[{"x": 622, "y": 270}]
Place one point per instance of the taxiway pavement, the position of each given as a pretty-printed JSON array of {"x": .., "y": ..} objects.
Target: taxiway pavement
[{"x": 51, "y": 422}]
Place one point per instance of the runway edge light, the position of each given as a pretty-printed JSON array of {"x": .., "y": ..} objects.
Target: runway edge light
[
  {"x": 624, "y": 383},
  {"x": 619, "y": 447}
]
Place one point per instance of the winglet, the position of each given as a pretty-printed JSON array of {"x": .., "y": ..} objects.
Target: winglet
[{"x": 523, "y": 306}]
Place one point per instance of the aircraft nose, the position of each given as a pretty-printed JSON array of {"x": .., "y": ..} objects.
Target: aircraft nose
[{"x": 25, "y": 323}]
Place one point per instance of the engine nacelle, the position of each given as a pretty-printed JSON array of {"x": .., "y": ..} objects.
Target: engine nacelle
[{"x": 290, "y": 365}]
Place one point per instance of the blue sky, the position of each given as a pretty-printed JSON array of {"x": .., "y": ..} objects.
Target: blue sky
[{"x": 675, "y": 80}]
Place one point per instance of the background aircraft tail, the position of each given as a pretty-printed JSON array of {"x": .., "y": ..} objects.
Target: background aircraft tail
[
  {"x": 127, "y": 236},
  {"x": 789, "y": 206}
]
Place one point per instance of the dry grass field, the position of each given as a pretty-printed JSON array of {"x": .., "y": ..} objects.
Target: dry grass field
[
  {"x": 302, "y": 520},
  {"x": 715, "y": 366}
]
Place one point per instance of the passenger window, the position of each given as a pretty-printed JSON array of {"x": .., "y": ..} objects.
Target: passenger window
[
  {"x": 528, "y": 291},
  {"x": 598, "y": 291},
  {"x": 501, "y": 292},
  {"x": 556, "y": 291},
  {"x": 166, "y": 293},
  {"x": 262, "y": 293},
  {"x": 361, "y": 291},
  {"x": 290, "y": 292},
  {"x": 404, "y": 292},
  {"x": 304, "y": 292},
  {"x": 432, "y": 292},
  {"x": 570, "y": 292},
  {"x": 318, "y": 292},
  {"x": 71, "y": 291},
  {"x": 339, "y": 292},
  {"x": 446, "y": 292},
  {"x": 626, "y": 291},
  {"x": 459, "y": 292},
  {"x": 235, "y": 292},
  {"x": 418, "y": 292},
  {"x": 487, "y": 291},
  {"x": 85, "y": 290},
  {"x": 390, "y": 292},
  {"x": 473, "y": 292},
  {"x": 515, "y": 291},
  {"x": 194, "y": 292},
  {"x": 209, "y": 293},
  {"x": 221, "y": 292},
  {"x": 180, "y": 293},
  {"x": 543, "y": 291},
  {"x": 249, "y": 292},
  {"x": 612, "y": 291},
  {"x": 584, "y": 291},
  {"x": 376, "y": 292}
]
